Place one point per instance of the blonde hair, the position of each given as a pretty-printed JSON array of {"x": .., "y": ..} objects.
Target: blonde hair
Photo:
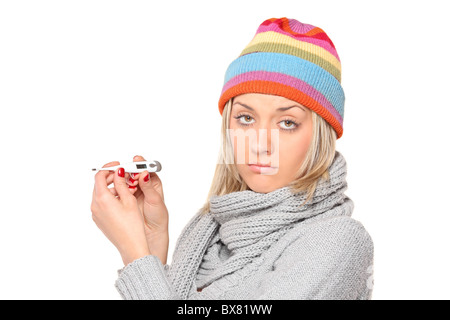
[{"x": 315, "y": 166}]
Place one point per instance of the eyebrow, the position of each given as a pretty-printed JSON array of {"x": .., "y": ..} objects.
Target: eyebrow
[{"x": 279, "y": 109}]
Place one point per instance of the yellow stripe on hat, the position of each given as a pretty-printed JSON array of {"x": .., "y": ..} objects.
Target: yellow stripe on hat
[{"x": 276, "y": 37}]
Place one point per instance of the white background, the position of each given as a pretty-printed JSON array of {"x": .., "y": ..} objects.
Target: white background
[{"x": 83, "y": 83}]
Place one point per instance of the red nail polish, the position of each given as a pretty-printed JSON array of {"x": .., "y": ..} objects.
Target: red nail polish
[
  {"x": 134, "y": 175},
  {"x": 147, "y": 177},
  {"x": 121, "y": 172},
  {"x": 131, "y": 180},
  {"x": 132, "y": 187}
]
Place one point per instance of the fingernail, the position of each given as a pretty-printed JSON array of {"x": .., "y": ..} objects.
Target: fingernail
[
  {"x": 132, "y": 187},
  {"x": 131, "y": 180},
  {"x": 134, "y": 175},
  {"x": 147, "y": 177},
  {"x": 121, "y": 172}
]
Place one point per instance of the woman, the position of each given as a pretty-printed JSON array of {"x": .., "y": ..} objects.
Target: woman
[{"x": 276, "y": 223}]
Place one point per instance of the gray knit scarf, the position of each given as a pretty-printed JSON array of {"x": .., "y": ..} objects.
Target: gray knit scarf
[{"x": 242, "y": 224}]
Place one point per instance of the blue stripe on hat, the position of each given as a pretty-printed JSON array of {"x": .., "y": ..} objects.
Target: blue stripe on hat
[{"x": 304, "y": 70}]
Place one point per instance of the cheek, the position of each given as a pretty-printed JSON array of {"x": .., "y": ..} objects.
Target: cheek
[
  {"x": 293, "y": 151},
  {"x": 240, "y": 145}
]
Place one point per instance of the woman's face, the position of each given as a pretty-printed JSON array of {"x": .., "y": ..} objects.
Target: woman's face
[{"x": 269, "y": 130}]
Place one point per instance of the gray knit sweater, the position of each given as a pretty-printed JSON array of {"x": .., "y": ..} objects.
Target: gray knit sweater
[{"x": 264, "y": 246}]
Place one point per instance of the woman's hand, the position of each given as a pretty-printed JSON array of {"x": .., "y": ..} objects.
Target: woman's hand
[
  {"x": 116, "y": 212},
  {"x": 150, "y": 199}
]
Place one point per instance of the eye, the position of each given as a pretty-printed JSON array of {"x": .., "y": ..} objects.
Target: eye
[
  {"x": 244, "y": 119},
  {"x": 290, "y": 125}
]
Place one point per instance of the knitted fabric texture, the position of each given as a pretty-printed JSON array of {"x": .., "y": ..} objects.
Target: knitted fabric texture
[
  {"x": 250, "y": 222},
  {"x": 254, "y": 245},
  {"x": 291, "y": 59}
]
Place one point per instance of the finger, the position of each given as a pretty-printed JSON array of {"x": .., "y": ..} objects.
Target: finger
[
  {"x": 113, "y": 191},
  {"x": 110, "y": 176},
  {"x": 151, "y": 195},
  {"x": 135, "y": 159},
  {"x": 101, "y": 184},
  {"x": 138, "y": 158},
  {"x": 157, "y": 184},
  {"x": 121, "y": 186},
  {"x": 137, "y": 192},
  {"x": 131, "y": 182},
  {"x": 155, "y": 179},
  {"x": 134, "y": 190},
  {"x": 111, "y": 164}
]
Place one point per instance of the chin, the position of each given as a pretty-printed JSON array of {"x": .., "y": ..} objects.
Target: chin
[
  {"x": 263, "y": 189},
  {"x": 262, "y": 185}
]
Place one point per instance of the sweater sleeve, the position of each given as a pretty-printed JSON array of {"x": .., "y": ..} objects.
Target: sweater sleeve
[
  {"x": 145, "y": 279},
  {"x": 334, "y": 260}
]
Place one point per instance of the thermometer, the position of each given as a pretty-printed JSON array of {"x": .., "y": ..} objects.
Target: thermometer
[{"x": 135, "y": 167}]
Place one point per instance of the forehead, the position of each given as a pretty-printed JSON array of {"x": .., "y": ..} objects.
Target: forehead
[
  {"x": 262, "y": 98},
  {"x": 265, "y": 102}
]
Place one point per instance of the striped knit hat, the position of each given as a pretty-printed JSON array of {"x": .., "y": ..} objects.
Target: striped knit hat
[{"x": 294, "y": 60}]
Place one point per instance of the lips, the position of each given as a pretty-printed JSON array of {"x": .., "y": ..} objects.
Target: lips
[
  {"x": 259, "y": 164},
  {"x": 262, "y": 168}
]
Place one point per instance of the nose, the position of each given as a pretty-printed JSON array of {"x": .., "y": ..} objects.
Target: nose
[{"x": 263, "y": 146}]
